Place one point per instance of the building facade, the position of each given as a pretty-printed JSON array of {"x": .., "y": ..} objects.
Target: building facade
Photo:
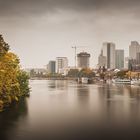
[
  {"x": 102, "y": 60},
  {"x": 51, "y": 67},
  {"x": 83, "y": 60},
  {"x": 109, "y": 53},
  {"x": 119, "y": 59},
  {"x": 133, "y": 49},
  {"x": 138, "y": 58},
  {"x": 61, "y": 64}
]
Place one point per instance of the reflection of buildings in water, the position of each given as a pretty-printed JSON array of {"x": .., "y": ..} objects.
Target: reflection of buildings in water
[
  {"x": 52, "y": 84},
  {"x": 58, "y": 84},
  {"x": 62, "y": 84},
  {"x": 83, "y": 95},
  {"x": 134, "y": 101},
  {"x": 104, "y": 91},
  {"x": 109, "y": 100},
  {"x": 122, "y": 102},
  {"x": 10, "y": 116},
  {"x": 105, "y": 99},
  {"x": 133, "y": 91}
]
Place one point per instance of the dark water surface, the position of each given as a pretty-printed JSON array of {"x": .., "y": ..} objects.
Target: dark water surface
[{"x": 70, "y": 111}]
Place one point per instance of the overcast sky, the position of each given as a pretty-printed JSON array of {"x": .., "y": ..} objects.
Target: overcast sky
[{"x": 41, "y": 30}]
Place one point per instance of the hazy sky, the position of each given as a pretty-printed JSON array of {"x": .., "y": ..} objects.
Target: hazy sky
[{"x": 41, "y": 30}]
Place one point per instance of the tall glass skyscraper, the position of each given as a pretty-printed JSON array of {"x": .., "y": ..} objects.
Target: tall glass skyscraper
[
  {"x": 119, "y": 59},
  {"x": 109, "y": 53}
]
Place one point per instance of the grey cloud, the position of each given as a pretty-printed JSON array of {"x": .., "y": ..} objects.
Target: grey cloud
[{"x": 35, "y": 7}]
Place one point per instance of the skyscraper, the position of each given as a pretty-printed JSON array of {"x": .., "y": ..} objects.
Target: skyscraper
[
  {"x": 109, "y": 53},
  {"x": 83, "y": 60},
  {"x": 51, "y": 67},
  {"x": 101, "y": 60},
  {"x": 138, "y": 58},
  {"x": 119, "y": 59},
  {"x": 61, "y": 64},
  {"x": 133, "y": 49}
]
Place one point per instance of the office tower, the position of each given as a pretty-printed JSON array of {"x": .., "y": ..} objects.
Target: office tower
[
  {"x": 109, "y": 53},
  {"x": 51, "y": 67},
  {"x": 119, "y": 59},
  {"x": 61, "y": 64},
  {"x": 83, "y": 60},
  {"x": 101, "y": 60},
  {"x": 138, "y": 57},
  {"x": 133, "y": 49},
  {"x": 126, "y": 62}
]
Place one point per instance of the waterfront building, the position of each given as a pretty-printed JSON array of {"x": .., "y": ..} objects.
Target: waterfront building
[
  {"x": 83, "y": 60},
  {"x": 51, "y": 67},
  {"x": 134, "y": 48},
  {"x": 61, "y": 64},
  {"x": 109, "y": 53},
  {"x": 119, "y": 59}
]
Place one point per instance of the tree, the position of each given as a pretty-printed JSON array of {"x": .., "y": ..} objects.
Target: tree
[
  {"x": 86, "y": 72},
  {"x": 121, "y": 74},
  {"x": 73, "y": 73},
  {"x": 13, "y": 81}
]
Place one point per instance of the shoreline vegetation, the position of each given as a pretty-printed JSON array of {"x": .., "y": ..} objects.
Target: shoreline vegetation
[{"x": 14, "y": 82}]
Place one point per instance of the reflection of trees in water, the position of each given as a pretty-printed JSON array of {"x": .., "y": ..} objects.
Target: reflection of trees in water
[{"x": 10, "y": 117}]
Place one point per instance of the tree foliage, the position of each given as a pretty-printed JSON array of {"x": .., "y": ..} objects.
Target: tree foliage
[
  {"x": 121, "y": 74},
  {"x": 13, "y": 81},
  {"x": 86, "y": 72},
  {"x": 73, "y": 73}
]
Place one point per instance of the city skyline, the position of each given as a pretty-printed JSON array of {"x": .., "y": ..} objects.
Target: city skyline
[{"x": 49, "y": 29}]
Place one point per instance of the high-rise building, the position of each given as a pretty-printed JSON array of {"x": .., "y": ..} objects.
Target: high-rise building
[
  {"x": 109, "y": 53},
  {"x": 126, "y": 62},
  {"x": 51, "y": 67},
  {"x": 83, "y": 60},
  {"x": 119, "y": 59},
  {"x": 133, "y": 49},
  {"x": 101, "y": 60},
  {"x": 138, "y": 58},
  {"x": 61, "y": 64}
]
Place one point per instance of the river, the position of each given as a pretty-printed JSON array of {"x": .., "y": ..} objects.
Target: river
[{"x": 70, "y": 111}]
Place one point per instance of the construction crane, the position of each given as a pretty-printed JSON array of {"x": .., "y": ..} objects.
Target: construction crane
[{"x": 75, "y": 50}]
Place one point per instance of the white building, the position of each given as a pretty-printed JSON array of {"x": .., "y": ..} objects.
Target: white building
[
  {"x": 61, "y": 64},
  {"x": 134, "y": 48},
  {"x": 109, "y": 53}
]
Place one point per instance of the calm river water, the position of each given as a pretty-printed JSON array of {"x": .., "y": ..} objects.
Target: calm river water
[{"x": 70, "y": 111}]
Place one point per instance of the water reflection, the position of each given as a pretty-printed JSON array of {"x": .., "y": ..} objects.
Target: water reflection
[
  {"x": 11, "y": 118},
  {"x": 57, "y": 84},
  {"x": 83, "y": 95},
  {"x": 67, "y": 110}
]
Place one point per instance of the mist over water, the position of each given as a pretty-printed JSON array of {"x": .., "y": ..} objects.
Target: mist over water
[{"x": 67, "y": 110}]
